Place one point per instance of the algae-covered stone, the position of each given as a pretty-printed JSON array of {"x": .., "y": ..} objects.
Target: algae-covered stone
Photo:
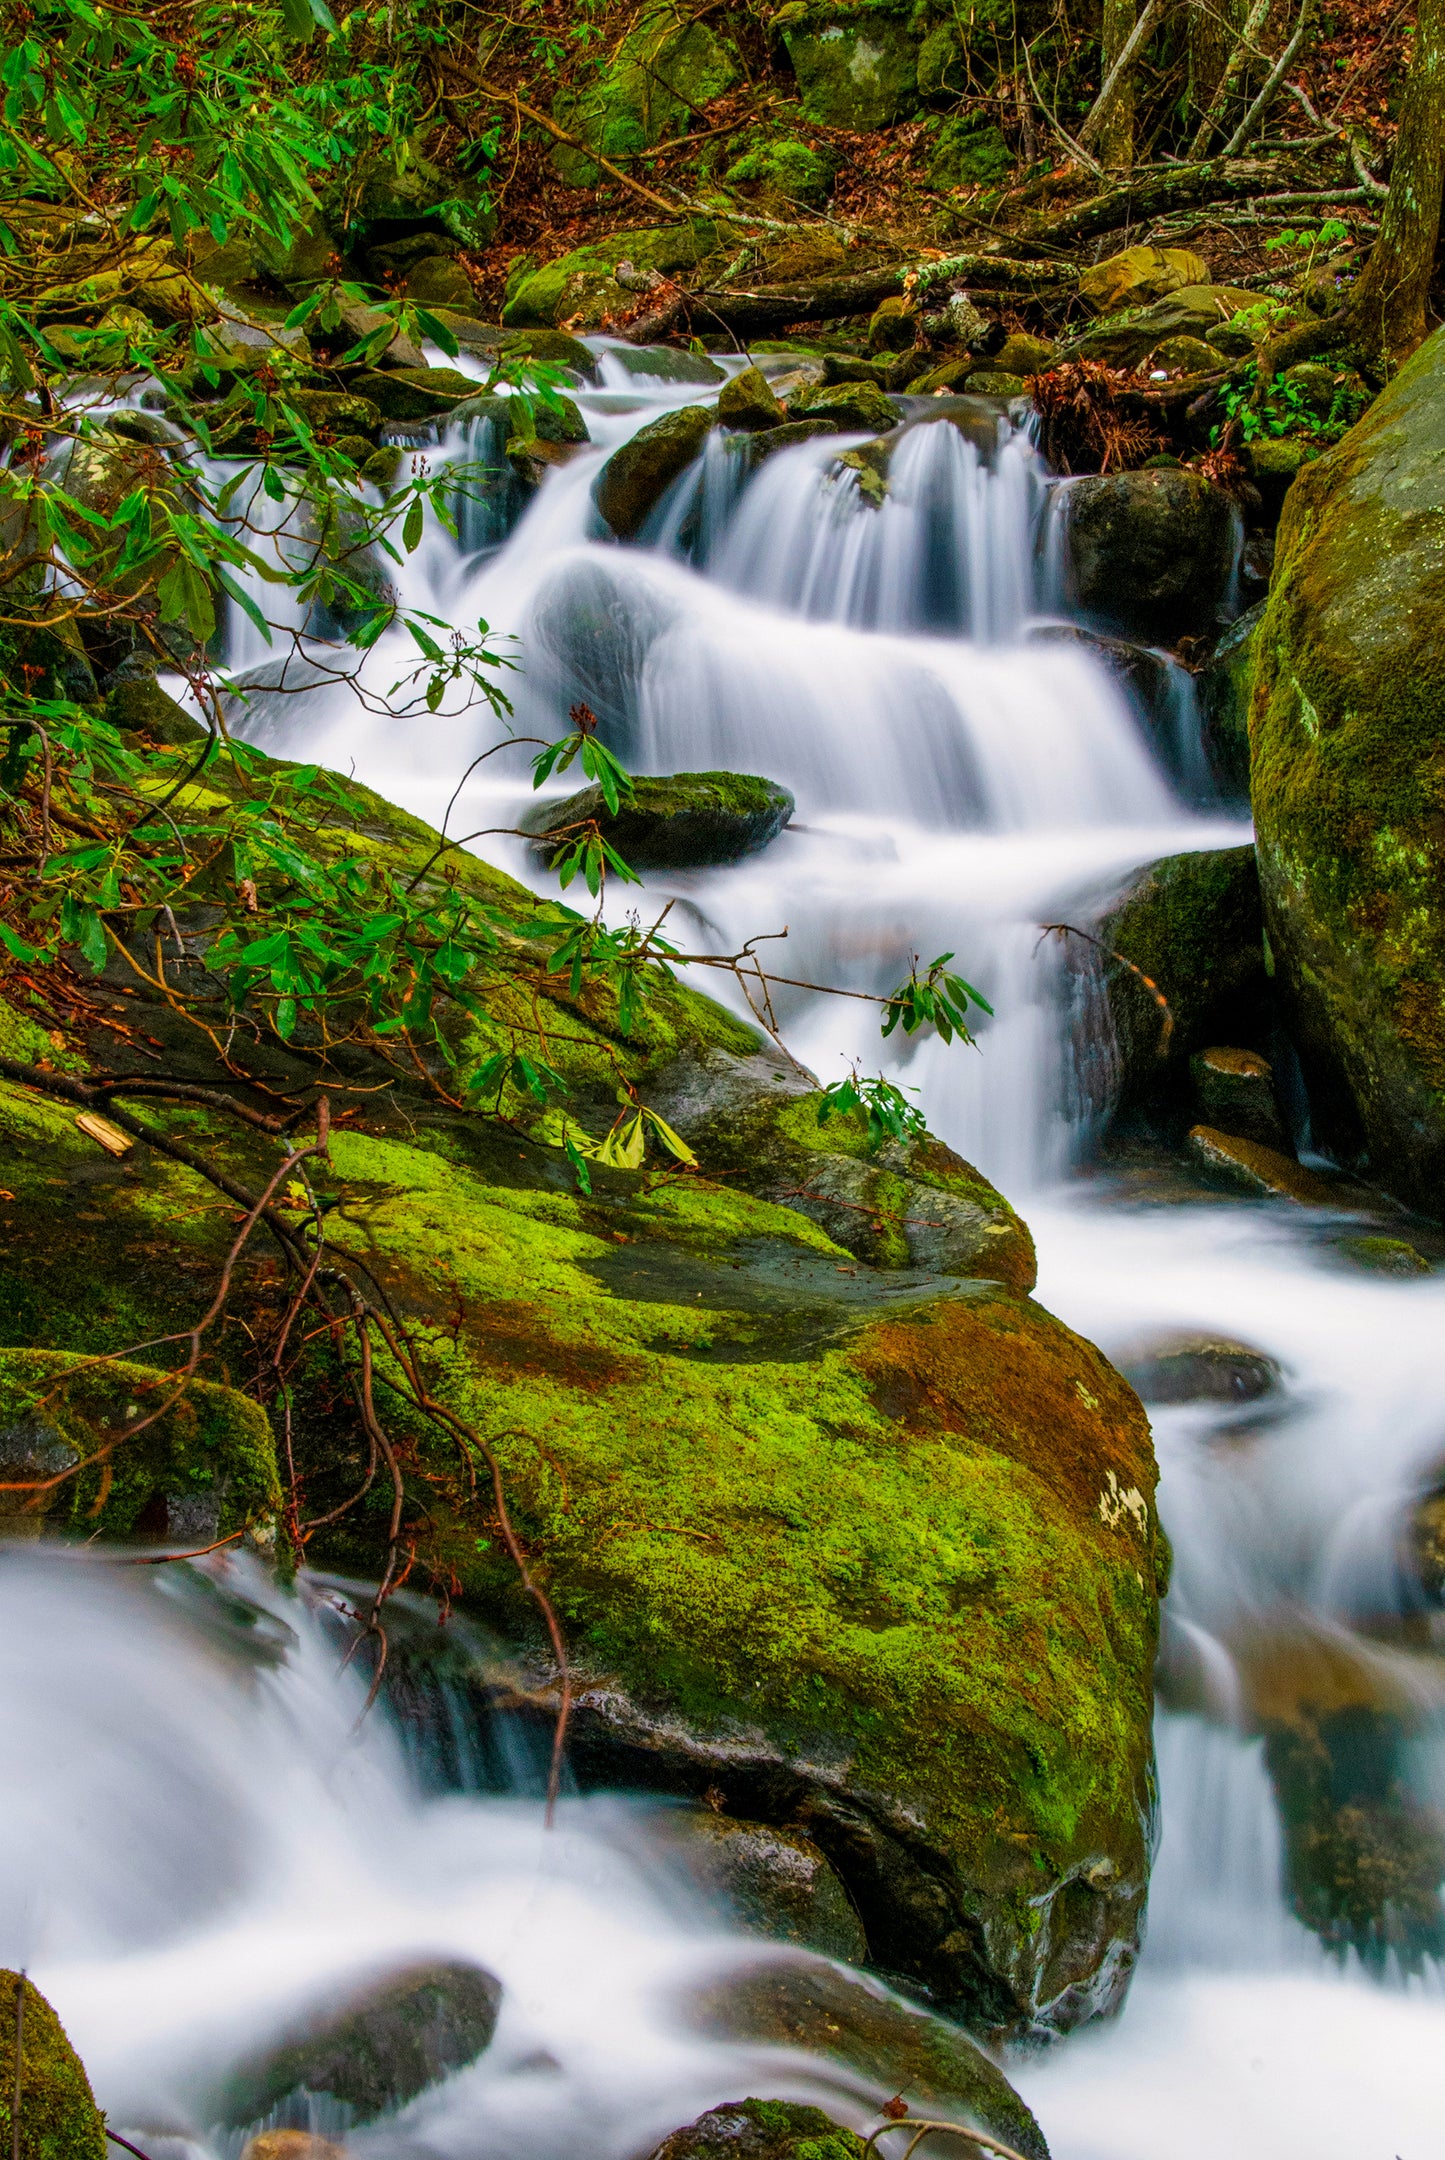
[
  {"x": 870, "y": 1549},
  {"x": 581, "y": 288},
  {"x": 635, "y": 477},
  {"x": 420, "y": 393},
  {"x": 1348, "y": 736},
  {"x": 893, "y": 325},
  {"x": 1185, "y": 355},
  {"x": 894, "y": 2047},
  {"x": 850, "y": 408},
  {"x": 669, "y": 63},
  {"x": 949, "y": 375},
  {"x": 857, "y": 65},
  {"x": 747, "y": 401},
  {"x": 762, "y": 2130},
  {"x": 784, "y": 170},
  {"x": 1150, "y": 553},
  {"x": 1138, "y": 275},
  {"x": 59, "y": 2119},
  {"x": 969, "y": 153},
  {"x": 682, "y": 821},
  {"x": 994, "y": 383},
  {"x": 664, "y": 363},
  {"x": 206, "y": 1467},
  {"x": 1021, "y": 354},
  {"x": 1122, "y": 340},
  {"x": 1234, "y": 1091}
]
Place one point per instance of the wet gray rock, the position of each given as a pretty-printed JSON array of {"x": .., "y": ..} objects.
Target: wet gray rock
[
  {"x": 893, "y": 2047},
  {"x": 775, "y": 1881},
  {"x": 1198, "y": 1368},
  {"x": 638, "y": 475},
  {"x": 663, "y": 363},
  {"x": 1150, "y": 553},
  {"x": 681, "y": 821},
  {"x": 386, "y": 2041}
]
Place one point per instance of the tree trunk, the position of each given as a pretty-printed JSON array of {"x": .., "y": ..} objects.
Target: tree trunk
[
  {"x": 1116, "y": 136},
  {"x": 1387, "y": 306},
  {"x": 1213, "y": 28}
]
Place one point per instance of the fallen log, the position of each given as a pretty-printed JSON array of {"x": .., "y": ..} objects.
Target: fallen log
[
  {"x": 1137, "y": 202},
  {"x": 754, "y": 312}
]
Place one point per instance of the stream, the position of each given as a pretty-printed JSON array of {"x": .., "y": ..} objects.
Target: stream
[{"x": 198, "y": 1831}]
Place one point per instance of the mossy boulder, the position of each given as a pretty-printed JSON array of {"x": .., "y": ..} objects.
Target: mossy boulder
[
  {"x": 783, "y": 170},
  {"x": 968, "y": 152},
  {"x": 59, "y": 2119},
  {"x": 683, "y": 821},
  {"x": 205, "y": 1468},
  {"x": 638, "y": 475},
  {"x": 856, "y": 60},
  {"x": 850, "y": 408},
  {"x": 137, "y": 704},
  {"x": 1347, "y": 734},
  {"x": 872, "y": 1549},
  {"x": 1150, "y": 553},
  {"x": 669, "y": 63},
  {"x": 581, "y": 288},
  {"x": 1193, "y": 925},
  {"x": 747, "y": 401},
  {"x": 895, "y": 2048},
  {"x": 762, "y": 2130},
  {"x": 1123, "y": 339},
  {"x": 1138, "y": 275},
  {"x": 413, "y": 393}
]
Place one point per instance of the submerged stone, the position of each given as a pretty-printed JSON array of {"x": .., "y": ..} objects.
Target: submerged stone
[
  {"x": 1199, "y": 1368},
  {"x": 385, "y": 2042},
  {"x": 895, "y": 2047}
]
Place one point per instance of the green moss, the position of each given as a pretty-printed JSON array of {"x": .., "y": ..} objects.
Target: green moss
[
  {"x": 856, "y": 64},
  {"x": 784, "y": 167},
  {"x": 1348, "y": 780},
  {"x": 205, "y": 1468},
  {"x": 799, "y": 1539},
  {"x": 1192, "y": 925},
  {"x": 967, "y": 154},
  {"x": 59, "y": 2119},
  {"x": 666, "y": 66}
]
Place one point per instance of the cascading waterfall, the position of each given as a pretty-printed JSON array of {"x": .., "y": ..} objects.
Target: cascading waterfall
[{"x": 964, "y": 775}]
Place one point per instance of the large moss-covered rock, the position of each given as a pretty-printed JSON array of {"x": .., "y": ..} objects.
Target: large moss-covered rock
[
  {"x": 681, "y": 822},
  {"x": 1138, "y": 275},
  {"x": 1122, "y": 340},
  {"x": 670, "y": 62},
  {"x": 856, "y": 60},
  {"x": 636, "y": 477},
  {"x": 1150, "y": 553},
  {"x": 1347, "y": 731},
  {"x": 59, "y": 2119},
  {"x": 872, "y": 1549},
  {"x": 581, "y": 288}
]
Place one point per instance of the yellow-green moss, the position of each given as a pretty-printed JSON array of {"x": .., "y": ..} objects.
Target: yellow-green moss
[
  {"x": 59, "y": 2119},
  {"x": 1347, "y": 736}
]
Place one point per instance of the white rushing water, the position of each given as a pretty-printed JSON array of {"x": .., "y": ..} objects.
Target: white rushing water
[{"x": 962, "y": 777}]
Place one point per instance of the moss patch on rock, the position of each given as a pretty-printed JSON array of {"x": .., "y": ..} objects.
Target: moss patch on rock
[
  {"x": 59, "y": 2119},
  {"x": 1347, "y": 733}
]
